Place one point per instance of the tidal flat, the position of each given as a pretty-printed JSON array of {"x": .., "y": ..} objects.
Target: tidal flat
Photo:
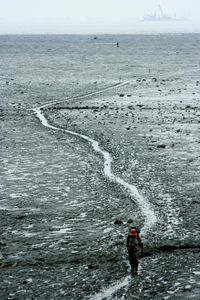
[{"x": 141, "y": 103}]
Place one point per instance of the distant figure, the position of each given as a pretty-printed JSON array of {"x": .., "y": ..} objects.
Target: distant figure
[
  {"x": 117, "y": 44},
  {"x": 134, "y": 246}
]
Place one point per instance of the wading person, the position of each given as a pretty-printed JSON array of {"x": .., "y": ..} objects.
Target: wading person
[{"x": 135, "y": 246}]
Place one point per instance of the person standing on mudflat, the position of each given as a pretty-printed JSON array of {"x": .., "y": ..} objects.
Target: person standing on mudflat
[{"x": 134, "y": 245}]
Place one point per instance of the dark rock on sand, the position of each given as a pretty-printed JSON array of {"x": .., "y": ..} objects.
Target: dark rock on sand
[
  {"x": 118, "y": 222},
  {"x": 161, "y": 146}
]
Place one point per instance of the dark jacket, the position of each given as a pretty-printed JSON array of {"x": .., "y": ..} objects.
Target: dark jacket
[{"x": 138, "y": 244}]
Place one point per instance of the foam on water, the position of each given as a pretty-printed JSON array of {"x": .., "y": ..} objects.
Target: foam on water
[
  {"x": 62, "y": 231},
  {"x": 108, "y": 292}
]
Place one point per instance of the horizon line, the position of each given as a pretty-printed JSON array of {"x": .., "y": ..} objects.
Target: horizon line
[{"x": 99, "y": 34}]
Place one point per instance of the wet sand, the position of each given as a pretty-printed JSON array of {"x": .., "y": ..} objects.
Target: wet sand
[
  {"x": 154, "y": 142},
  {"x": 58, "y": 237}
]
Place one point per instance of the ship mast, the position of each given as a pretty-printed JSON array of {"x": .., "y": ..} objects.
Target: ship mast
[{"x": 161, "y": 12}]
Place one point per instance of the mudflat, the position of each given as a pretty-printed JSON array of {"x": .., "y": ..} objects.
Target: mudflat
[{"x": 140, "y": 101}]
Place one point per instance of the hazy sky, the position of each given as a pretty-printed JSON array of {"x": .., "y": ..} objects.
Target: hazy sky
[{"x": 95, "y": 16}]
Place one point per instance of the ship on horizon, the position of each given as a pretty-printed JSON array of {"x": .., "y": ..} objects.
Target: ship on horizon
[{"x": 159, "y": 17}]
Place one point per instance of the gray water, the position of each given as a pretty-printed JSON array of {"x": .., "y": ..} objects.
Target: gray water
[{"x": 58, "y": 207}]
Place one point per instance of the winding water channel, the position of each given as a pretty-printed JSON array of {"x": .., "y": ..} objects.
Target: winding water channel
[{"x": 143, "y": 203}]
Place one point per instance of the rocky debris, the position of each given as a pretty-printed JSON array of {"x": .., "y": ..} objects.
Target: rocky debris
[
  {"x": 161, "y": 146},
  {"x": 130, "y": 221},
  {"x": 118, "y": 222},
  {"x": 20, "y": 217},
  {"x": 2, "y": 243},
  {"x": 7, "y": 264}
]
